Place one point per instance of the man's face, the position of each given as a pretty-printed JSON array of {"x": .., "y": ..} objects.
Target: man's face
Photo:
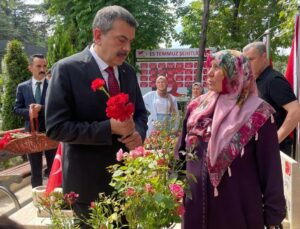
[
  {"x": 38, "y": 68},
  {"x": 114, "y": 46},
  {"x": 258, "y": 61}
]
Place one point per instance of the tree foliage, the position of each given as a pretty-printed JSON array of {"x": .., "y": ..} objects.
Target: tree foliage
[
  {"x": 156, "y": 19},
  {"x": 60, "y": 44},
  {"x": 17, "y": 22},
  {"x": 16, "y": 64},
  {"x": 287, "y": 14},
  {"x": 233, "y": 23}
]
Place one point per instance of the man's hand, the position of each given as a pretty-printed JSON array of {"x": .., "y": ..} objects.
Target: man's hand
[
  {"x": 125, "y": 128},
  {"x": 132, "y": 141},
  {"x": 34, "y": 109},
  {"x": 291, "y": 120}
]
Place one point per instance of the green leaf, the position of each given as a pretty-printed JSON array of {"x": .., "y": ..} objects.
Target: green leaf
[{"x": 118, "y": 173}]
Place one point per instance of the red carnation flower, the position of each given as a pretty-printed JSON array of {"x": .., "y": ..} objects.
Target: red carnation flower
[
  {"x": 5, "y": 139},
  {"x": 119, "y": 107},
  {"x": 92, "y": 204},
  {"x": 99, "y": 84}
]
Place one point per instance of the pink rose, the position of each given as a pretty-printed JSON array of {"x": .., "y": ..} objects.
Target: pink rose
[
  {"x": 180, "y": 210},
  {"x": 137, "y": 152},
  {"x": 176, "y": 190},
  {"x": 149, "y": 188},
  {"x": 120, "y": 155},
  {"x": 140, "y": 149},
  {"x": 130, "y": 191},
  {"x": 133, "y": 154}
]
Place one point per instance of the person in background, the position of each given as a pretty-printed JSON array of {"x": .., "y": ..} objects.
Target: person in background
[
  {"x": 161, "y": 105},
  {"x": 197, "y": 90},
  {"x": 48, "y": 74},
  {"x": 76, "y": 116},
  {"x": 275, "y": 89},
  {"x": 238, "y": 170},
  {"x": 31, "y": 98}
]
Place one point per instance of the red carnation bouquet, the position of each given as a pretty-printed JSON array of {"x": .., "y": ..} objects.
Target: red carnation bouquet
[
  {"x": 118, "y": 106},
  {"x": 11, "y": 135},
  {"x": 5, "y": 139}
]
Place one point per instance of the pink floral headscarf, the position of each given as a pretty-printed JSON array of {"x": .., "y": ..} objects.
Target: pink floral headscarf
[{"x": 227, "y": 120}]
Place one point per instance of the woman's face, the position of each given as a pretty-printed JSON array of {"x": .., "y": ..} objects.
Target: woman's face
[
  {"x": 161, "y": 84},
  {"x": 215, "y": 78},
  {"x": 196, "y": 91}
]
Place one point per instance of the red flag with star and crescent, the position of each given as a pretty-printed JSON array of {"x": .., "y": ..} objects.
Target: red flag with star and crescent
[
  {"x": 55, "y": 178},
  {"x": 292, "y": 66}
]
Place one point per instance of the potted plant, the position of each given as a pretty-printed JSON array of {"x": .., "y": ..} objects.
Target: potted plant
[{"x": 58, "y": 207}]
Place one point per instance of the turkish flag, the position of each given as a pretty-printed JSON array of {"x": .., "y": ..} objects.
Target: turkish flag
[
  {"x": 293, "y": 63},
  {"x": 55, "y": 178},
  {"x": 290, "y": 67},
  {"x": 288, "y": 169}
]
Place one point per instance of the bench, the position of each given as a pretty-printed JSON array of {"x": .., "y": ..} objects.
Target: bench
[{"x": 14, "y": 175}]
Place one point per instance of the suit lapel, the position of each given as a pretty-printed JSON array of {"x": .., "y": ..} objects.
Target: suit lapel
[
  {"x": 122, "y": 74},
  {"x": 30, "y": 92},
  {"x": 92, "y": 68},
  {"x": 44, "y": 91}
]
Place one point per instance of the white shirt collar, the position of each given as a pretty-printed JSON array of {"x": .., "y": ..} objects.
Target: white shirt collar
[
  {"x": 102, "y": 65},
  {"x": 34, "y": 81}
]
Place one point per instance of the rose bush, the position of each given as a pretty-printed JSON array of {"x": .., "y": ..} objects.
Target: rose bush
[{"x": 149, "y": 186}]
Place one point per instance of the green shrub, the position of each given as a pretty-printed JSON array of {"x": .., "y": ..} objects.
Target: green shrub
[
  {"x": 11, "y": 162},
  {"x": 16, "y": 63}
]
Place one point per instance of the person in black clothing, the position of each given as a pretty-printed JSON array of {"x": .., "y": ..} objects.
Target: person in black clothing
[{"x": 275, "y": 89}]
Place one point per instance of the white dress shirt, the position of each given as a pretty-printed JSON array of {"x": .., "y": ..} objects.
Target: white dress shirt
[
  {"x": 34, "y": 85},
  {"x": 102, "y": 66}
]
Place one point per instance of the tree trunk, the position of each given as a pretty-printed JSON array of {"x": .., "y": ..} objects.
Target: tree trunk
[{"x": 202, "y": 39}]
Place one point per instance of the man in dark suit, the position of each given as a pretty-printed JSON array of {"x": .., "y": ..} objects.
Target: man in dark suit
[
  {"x": 75, "y": 114},
  {"x": 31, "y": 95}
]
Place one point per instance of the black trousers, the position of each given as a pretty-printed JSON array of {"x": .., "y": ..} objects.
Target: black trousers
[{"x": 36, "y": 164}]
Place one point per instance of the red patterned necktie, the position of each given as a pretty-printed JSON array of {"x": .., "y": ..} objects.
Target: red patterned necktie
[{"x": 113, "y": 85}]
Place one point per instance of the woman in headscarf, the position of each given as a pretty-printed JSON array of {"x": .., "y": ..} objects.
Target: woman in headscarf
[
  {"x": 197, "y": 90},
  {"x": 238, "y": 170},
  {"x": 161, "y": 106}
]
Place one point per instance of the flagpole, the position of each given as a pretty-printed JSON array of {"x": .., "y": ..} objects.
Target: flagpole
[{"x": 267, "y": 33}]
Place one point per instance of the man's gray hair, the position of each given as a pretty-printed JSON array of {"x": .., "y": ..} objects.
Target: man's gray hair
[
  {"x": 106, "y": 16},
  {"x": 260, "y": 46}
]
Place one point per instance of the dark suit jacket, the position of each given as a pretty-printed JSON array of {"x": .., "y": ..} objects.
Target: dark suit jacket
[
  {"x": 24, "y": 98},
  {"x": 75, "y": 115}
]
